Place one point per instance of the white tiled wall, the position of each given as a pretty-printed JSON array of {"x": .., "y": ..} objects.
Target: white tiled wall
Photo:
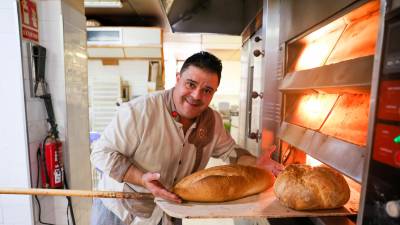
[
  {"x": 14, "y": 160},
  {"x": 77, "y": 117},
  {"x": 50, "y": 36},
  {"x": 23, "y": 118},
  {"x": 62, "y": 32}
]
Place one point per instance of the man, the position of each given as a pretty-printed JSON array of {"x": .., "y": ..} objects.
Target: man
[{"x": 156, "y": 140}]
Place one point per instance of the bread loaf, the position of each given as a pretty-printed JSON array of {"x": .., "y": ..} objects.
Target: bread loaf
[
  {"x": 303, "y": 187},
  {"x": 223, "y": 183}
]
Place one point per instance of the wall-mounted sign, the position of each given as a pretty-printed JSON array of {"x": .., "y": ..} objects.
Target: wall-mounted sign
[{"x": 29, "y": 20}]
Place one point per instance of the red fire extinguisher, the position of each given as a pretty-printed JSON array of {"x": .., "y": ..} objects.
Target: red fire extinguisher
[{"x": 52, "y": 168}]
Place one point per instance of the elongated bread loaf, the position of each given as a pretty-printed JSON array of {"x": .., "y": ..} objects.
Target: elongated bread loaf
[
  {"x": 224, "y": 183},
  {"x": 303, "y": 187}
]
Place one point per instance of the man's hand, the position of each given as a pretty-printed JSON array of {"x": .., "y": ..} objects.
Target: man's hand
[
  {"x": 265, "y": 162},
  {"x": 151, "y": 183}
]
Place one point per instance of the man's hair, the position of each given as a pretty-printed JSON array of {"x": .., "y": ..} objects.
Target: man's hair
[{"x": 205, "y": 61}]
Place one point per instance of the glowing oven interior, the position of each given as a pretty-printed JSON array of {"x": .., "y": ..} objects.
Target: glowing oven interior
[
  {"x": 335, "y": 111},
  {"x": 351, "y": 36}
]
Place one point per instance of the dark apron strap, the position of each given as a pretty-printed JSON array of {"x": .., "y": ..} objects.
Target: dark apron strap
[{"x": 202, "y": 135}]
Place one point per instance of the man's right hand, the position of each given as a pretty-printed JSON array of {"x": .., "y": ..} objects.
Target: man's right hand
[{"x": 151, "y": 182}]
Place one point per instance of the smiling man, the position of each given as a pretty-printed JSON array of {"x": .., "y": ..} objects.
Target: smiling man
[{"x": 156, "y": 140}]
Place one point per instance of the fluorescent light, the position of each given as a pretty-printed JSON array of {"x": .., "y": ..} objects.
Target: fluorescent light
[{"x": 103, "y": 4}]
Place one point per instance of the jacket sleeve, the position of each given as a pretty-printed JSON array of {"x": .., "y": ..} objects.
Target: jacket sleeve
[
  {"x": 226, "y": 148},
  {"x": 117, "y": 144}
]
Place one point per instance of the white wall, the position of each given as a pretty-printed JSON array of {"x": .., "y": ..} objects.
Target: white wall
[
  {"x": 228, "y": 90},
  {"x": 77, "y": 115},
  {"x": 50, "y": 36},
  {"x": 14, "y": 160},
  {"x": 23, "y": 119},
  {"x": 135, "y": 72},
  {"x": 49, "y": 14}
]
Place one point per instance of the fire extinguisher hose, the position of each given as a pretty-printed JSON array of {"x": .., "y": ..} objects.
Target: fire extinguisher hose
[{"x": 77, "y": 193}]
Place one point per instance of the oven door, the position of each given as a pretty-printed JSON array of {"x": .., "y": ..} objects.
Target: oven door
[{"x": 251, "y": 92}]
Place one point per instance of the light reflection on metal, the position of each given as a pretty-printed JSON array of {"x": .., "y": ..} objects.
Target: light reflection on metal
[
  {"x": 310, "y": 110},
  {"x": 319, "y": 44},
  {"x": 344, "y": 156},
  {"x": 349, "y": 119},
  {"x": 351, "y": 36},
  {"x": 357, "y": 41},
  {"x": 344, "y": 117},
  {"x": 312, "y": 161}
]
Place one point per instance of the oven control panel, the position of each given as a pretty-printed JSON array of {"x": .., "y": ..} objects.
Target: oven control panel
[
  {"x": 389, "y": 100},
  {"x": 391, "y": 63},
  {"x": 387, "y": 144},
  {"x": 381, "y": 198}
]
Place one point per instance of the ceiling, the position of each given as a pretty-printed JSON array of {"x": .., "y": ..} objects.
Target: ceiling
[
  {"x": 189, "y": 16},
  {"x": 132, "y": 13}
]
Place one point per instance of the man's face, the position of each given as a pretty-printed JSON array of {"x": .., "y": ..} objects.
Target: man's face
[{"x": 193, "y": 91}]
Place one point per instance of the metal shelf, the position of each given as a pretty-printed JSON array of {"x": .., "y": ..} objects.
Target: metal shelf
[
  {"x": 354, "y": 74},
  {"x": 346, "y": 157}
]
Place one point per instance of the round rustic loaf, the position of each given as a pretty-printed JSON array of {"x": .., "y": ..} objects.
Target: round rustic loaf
[
  {"x": 224, "y": 183},
  {"x": 303, "y": 187}
]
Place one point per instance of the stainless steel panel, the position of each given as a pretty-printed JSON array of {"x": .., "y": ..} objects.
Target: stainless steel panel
[
  {"x": 243, "y": 106},
  {"x": 297, "y": 136},
  {"x": 272, "y": 69},
  {"x": 372, "y": 112},
  {"x": 347, "y": 75},
  {"x": 343, "y": 156},
  {"x": 299, "y": 16}
]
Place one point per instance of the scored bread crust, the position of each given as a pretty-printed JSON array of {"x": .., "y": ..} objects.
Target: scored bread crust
[
  {"x": 303, "y": 187},
  {"x": 223, "y": 183}
]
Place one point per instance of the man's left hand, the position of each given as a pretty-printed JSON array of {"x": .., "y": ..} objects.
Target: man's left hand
[{"x": 265, "y": 162}]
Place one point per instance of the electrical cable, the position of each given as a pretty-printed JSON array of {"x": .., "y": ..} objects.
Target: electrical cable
[
  {"x": 68, "y": 215},
  {"x": 41, "y": 158},
  {"x": 69, "y": 201},
  {"x": 39, "y": 56}
]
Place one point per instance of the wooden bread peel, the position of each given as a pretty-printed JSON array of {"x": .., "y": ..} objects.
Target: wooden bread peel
[{"x": 76, "y": 193}]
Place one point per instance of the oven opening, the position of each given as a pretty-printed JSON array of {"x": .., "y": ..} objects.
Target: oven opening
[
  {"x": 348, "y": 37},
  {"x": 326, "y": 92},
  {"x": 343, "y": 116}
]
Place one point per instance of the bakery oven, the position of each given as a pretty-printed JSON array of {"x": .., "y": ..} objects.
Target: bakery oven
[
  {"x": 321, "y": 70},
  {"x": 326, "y": 92},
  {"x": 380, "y": 201}
]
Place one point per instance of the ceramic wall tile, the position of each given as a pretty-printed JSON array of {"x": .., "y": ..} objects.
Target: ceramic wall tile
[
  {"x": 36, "y": 111},
  {"x": 49, "y": 30},
  {"x": 47, "y": 208},
  {"x": 49, "y": 10}
]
